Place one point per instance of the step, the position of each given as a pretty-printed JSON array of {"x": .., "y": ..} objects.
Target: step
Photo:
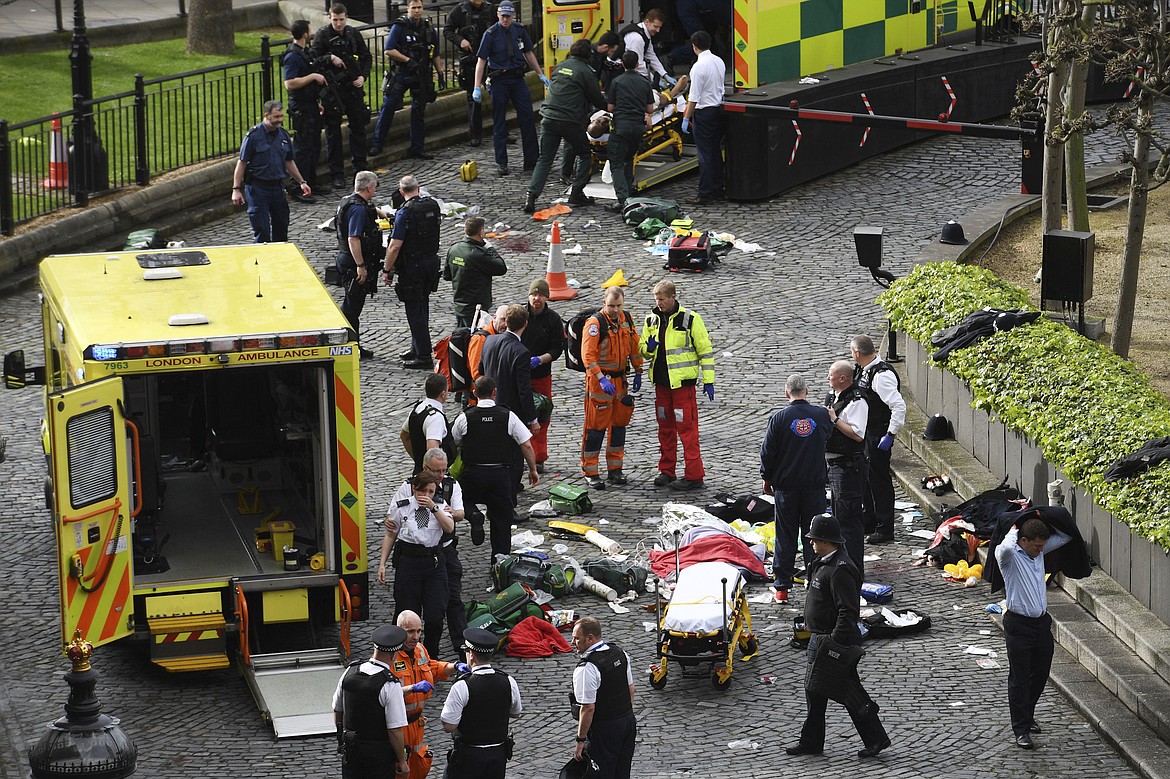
[
  {"x": 188, "y": 623},
  {"x": 193, "y": 663}
]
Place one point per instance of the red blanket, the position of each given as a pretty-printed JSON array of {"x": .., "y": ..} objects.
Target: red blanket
[
  {"x": 713, "y": 548},
  {"x": 534, "y": 637}
]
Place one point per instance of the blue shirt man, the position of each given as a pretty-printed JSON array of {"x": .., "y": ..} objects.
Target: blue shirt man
[
  {"x": 792, "y": 462},
  {"x": 503, "y": 52},
  {"x": 1027, "y": 626},
  {"x": 266, "y": 156}
]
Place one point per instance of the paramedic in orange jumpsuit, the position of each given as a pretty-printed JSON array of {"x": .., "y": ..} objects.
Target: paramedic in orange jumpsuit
[
  {"x": 417, "y": 672},
  {"x": 609, "y": 348},
  {"x": 498, "y": 324}
]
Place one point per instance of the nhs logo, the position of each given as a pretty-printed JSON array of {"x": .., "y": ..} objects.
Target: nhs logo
[{"x": 340, "y": 351}]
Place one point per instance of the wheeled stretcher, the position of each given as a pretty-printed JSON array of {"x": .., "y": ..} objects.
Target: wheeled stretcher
[
  {"x": 704, "y": 624},
  {"x": 665, "y": 136}
]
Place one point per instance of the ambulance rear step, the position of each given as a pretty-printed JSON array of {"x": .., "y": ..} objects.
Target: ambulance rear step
[
  {"x": 194, "y": 642},
  {"x": 294, "y": 690}
]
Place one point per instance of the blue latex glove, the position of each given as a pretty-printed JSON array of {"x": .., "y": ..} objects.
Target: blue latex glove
[
  {"x": 534, "y": 363},
  {"x": 686, "y": 124},
  {"x": 477, "y": 94},
  {"x": 710, "y": 390},
  {"x": 651, "y": 344},
  {"x": 607, "y": 386},
  {"x": 547, "y": 83},
  {"x": 669, "y": 79},
  {"x": 637, "y": 386},
  {"x": 424, "y": 687},
  {"x": 463, "y": 668},
  {"x": 886, "y": 443}
]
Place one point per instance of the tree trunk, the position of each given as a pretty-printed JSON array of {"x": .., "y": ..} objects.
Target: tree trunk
[
  {"x": 1135, "y": 230},
  {"x": 210, "y": 28},
  {"x": 1053, "y": 153},
  {"x": 1074, "y": 146}
]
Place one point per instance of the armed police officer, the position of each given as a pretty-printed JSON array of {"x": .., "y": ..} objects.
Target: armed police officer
[
  {"x": 412, "y": 48},
  {"x": 345, "y": 92},
  {"x": 266, "y": 157},
  {"x": 477, "y": 711},
  {"x": 465, "y": 27},
  {"x": 563, "y": 117},
  {"x": 413, "y": 253},
  {"x": 304, "y": 78},
  {"x": 359, "y": 249},
  {"x": 370, "y": 712}
]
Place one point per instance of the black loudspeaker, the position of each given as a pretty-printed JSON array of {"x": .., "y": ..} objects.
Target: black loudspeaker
[
  {"x": 1067, "y": 268},
  {"x": 869, "y": 246}
]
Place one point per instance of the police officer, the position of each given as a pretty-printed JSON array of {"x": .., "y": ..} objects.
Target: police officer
[
  {"x": 370, "y": 714},
  {"x": 878, "y": 380},
  {"x": 503, "y": 53},
  {"x": 413, "y": 253},
  {"x": 564, "y": 115},
  {"x": 603, "y": 691},
  {"x": 676, "y": 343},
  {"x": 266, "y": 156},
  {"x": 413, "y": 541},
  {"x": 488, "y": 434},
  {"x": 845, "y": 453},
  {"x": 412, "y": 48},
  {"x": 425, "y": 427},
  {"x": 831, "y": 609},
  {"x": 477, "y": 711},
  {"x": 359, "y": 246},
  {"x": 435, "y": 461},
  {"x": 345, "y": 93},
  {"x": 465, "y": 27},
  {"x": 304, "y": 79}
]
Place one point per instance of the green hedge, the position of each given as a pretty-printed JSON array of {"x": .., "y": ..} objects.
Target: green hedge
[{"x": 1084, "y": 406}]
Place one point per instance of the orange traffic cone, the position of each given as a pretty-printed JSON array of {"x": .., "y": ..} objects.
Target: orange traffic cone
[
  {"x": 58, "y": 160},
  {"x": 555, "y": 272}
]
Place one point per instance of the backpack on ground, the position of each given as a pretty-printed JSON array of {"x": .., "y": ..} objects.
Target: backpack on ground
[
  {"x": 639, "y": 209},
  {"x": 622, "y": 577},
  {"x": 573, "y": 331},
  {"x": 533, "y": 571}
]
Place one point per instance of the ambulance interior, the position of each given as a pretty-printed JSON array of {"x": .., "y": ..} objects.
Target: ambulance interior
[{"x": 236, "y": 464}]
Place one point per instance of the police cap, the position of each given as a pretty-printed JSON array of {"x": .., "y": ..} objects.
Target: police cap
[
  {"x": 389, "y": 638},
  {"x": 506, "y": 9},
  {"x": 480, "y": 641}
]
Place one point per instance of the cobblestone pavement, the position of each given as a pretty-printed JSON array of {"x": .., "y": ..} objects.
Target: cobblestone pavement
[{"x": 789, "y": 308}]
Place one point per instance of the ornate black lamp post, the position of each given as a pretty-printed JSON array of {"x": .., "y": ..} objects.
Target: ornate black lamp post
[{"x": 84, "y": 742}]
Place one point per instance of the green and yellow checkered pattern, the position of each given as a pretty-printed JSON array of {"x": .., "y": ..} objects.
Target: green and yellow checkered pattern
[{"x": 779, "y": 40}]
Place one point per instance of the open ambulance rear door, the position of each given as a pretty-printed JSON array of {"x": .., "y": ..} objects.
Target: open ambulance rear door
[{"x": 92, "y": 510}]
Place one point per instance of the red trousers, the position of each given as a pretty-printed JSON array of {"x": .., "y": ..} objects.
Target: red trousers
[
  {"x": 678, "y": 418},
  {"x": 542, "y": 385}
]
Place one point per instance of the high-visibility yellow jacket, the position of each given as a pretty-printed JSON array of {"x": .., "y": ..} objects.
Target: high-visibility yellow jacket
[{"x": 684, "y": 344}]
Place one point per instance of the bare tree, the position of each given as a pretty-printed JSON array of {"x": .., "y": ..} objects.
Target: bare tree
[{"x": 210, "y": 28}]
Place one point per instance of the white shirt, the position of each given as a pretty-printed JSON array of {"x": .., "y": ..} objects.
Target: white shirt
[
  {"x": 434, "y": 426},
  {"x": 647, "y": 59},
  {"x": 390, "y": 696},
  {"x": 856, "y": 415},
  {"x": 587, "y": 679},
  {"x": 520, "y": 434},
  {"x": 708, "y": 75},
  {"x": 405, "y": 492},
  {"x": 406, "y": 519},
  {"x": 886, "y": 387},
  {"x": 458, "y": 696}
]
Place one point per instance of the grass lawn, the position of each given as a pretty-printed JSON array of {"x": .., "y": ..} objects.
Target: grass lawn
[{"x": 35, "y": 85}]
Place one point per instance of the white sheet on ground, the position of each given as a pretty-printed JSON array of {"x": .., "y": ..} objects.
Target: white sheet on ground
[{"x": 697, "y": 605}]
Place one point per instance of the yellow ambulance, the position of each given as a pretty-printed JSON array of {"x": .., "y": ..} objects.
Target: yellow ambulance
[{"x": 203, "y": 435}]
